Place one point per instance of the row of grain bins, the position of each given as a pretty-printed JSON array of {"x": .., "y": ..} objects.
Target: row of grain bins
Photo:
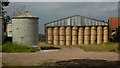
[{"x": 77, "y": 32}]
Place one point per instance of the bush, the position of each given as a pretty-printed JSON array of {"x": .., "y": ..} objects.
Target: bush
[
  {"x": 116, "y": 36},
  {"x": 13, "y": 47}
]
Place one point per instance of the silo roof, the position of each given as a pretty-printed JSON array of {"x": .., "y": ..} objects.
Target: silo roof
[{"x": 25, "y": 14}]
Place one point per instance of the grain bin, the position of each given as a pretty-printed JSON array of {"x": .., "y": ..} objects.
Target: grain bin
[
  {"x": 105, "y": 34},
  {"x": 25, "y": 29},
  {"x": 99, "y": 34},
  {"x": 50, "y": 35},
  {"x": 87, "y": 35},
  {"x": 93, "y": 35},
  {"x": 80, "y": 36},
  {"x": 68, "y": 36},
  {"x": 74, "y": 35},
  {"x": 56, "y": 36},
  {"x": 62, "y": 35}
]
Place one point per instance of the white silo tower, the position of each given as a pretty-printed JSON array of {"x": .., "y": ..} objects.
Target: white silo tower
[{"x": 25, "y": 29}]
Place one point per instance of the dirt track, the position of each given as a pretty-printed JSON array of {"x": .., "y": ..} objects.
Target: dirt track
[{"x": 38, "y": 58}]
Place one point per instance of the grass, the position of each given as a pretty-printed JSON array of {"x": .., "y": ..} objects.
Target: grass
[
  {"x": 15, "y": 48},
  {"x": 104, "y": 47}
]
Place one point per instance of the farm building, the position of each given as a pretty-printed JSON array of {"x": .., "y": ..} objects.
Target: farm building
[
  {"x": 114, "y": 22},
  {"x": 77, "y": 30}
]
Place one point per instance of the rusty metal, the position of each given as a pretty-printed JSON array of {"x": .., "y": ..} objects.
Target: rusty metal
[{"x": 25, "y": 29}]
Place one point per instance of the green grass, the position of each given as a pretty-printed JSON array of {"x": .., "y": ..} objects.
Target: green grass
[
  {"x": 104, "y": 47},
  {"x": 15, "y": 48}
]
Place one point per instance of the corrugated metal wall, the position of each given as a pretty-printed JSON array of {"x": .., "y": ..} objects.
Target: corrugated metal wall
[{"x": 25, "y": 31}]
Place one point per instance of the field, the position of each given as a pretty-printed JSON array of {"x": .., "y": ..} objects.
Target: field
[
  {"x": 104, "y": 47},
  {"x": 65, "y": 56}
]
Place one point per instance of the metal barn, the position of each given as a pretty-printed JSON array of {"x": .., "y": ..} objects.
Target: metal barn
[{"x": 77, "y": 30}]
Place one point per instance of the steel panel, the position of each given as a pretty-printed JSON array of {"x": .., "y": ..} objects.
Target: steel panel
[{"x": 78, "y": 20}]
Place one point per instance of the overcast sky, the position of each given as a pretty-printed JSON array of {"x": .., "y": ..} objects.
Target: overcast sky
[
  {"x": 64, "y": 0},
  {"x": 50, "y": 11}
]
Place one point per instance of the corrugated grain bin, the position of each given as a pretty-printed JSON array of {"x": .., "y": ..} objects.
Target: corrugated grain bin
[
  {"x": 93, "y": 35},
  {"x": 74, "y": 40},
  {"x": 50, "y": 38},
  {"x": 86, "y": 40},
  {"x": 62, "y": 35},
  {"x": 50, "y": 35},
  {"x": 105, "y": 34},
  {"x": 62, "y": 40},
  {"x": 74, "y": 30},
  {"x": 25, "y": 29},
  {"x": 74, "y": 35},
  {"x": 50, "y": 31},
  {"x": 56, "y": 42},
  {"x": 87, "y": 31},
  {"x": 68, "y": 36},
  {"x": 93, "y": 39},
  {"x": 81, "y": 32},
  {"x": 56, "y": 36},
  {"x": 62, "y": 31},
  {"x": 99, "y": 34},
  {"x": 68, "y": 31},
  {"x": 80, "y": 36},
  {"x": 87, "y": 35},
  {"x": 80, "y": 40},
  {"x": 56, "y": 31},
  {"x": 99, "y": 30}
]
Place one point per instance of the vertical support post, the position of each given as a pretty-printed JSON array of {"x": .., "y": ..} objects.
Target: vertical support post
[
  {"x": 46, "y": 36},
  {"x": 1, "y": 24}
]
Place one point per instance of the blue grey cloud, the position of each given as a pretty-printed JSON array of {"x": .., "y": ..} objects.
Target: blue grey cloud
[{"x": 50, "y": 11}]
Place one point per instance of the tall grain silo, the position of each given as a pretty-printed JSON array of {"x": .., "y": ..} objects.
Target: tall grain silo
[
  {"x": 50, "y": 35},
  {"x": 62, "y": 35},
  {"x": 25, "y": 29},
  {"x": 93, "y": 35},
  {"x": 56, "y": 36},
  {"x": 99, "y": 34},
  {"x": 87, "y": 35},
  {"x": 80, "y": 36},
  {"x": 105, "y": 34},
  {"x": 68, "y": 36},
  {"x": 74, "y": 35}
]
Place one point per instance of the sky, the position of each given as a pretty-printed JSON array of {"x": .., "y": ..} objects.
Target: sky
[
  {"x": 50, "y": 11},
  {"x": 64, "y": 0}
]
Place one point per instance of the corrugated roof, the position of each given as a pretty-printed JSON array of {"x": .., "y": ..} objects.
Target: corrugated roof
[
  {"x": 24, "y": 14},
  {"x": 77, "y": 20},
  {"x": 114, "y": 22}
]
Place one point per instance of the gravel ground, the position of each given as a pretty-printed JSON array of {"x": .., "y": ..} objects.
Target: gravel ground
[{"x": 41, "y": 57}]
